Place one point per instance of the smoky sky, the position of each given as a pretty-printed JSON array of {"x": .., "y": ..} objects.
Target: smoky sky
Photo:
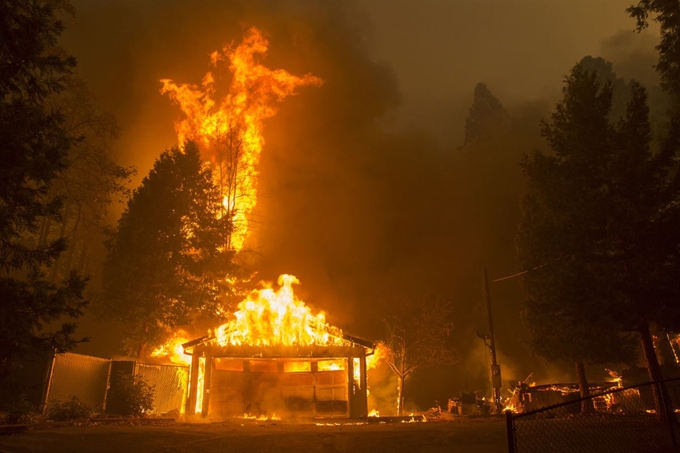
[{"x": 363, "y": 191}]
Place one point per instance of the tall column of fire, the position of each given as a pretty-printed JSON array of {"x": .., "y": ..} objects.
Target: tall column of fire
[{"x": 230, "y": 129}]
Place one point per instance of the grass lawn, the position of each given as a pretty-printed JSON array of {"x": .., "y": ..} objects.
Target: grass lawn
[{"x": 465, "y": 436}]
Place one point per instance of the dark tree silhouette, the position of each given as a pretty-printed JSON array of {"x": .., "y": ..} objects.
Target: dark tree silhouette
[
  {"x": 34, "y": 149},
  {"x": 605, "y": 73},
  {"x": 417, "y": 336},
  {"x": 565, "y": 214},
  {"x": 486, "y": 118},
  {"x": 588, "y": 228},
  {"x": 667, "y": 13},
  {"x": 167, "y": 255},
  {"x": 92, "y": 182}
]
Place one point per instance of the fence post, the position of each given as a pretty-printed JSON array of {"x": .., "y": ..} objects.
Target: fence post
[
  {"x": 510, "y": 427},
  {"x": 47, "y": 383},
  {"x": 108, "y": 386}
]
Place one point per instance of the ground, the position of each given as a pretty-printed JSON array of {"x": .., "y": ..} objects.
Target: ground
[{"x": 468, "y": 436}]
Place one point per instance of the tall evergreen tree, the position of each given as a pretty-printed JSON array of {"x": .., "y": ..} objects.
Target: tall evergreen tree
[
  {"x": 33, "y": 150},
  {"x": 487, "y": 116},
  {"x": 92, "y": 182},
  {"x": 566, "y": 213},
  {"x": 605, "y": 72},
  {"x": 169, "y": 251},
  {"x": 662, "y": 233},
  {"x": 667, "y": 13}
]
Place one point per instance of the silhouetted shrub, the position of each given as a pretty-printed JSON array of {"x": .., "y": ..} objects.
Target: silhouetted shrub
[
  {"x": 68, "y": 410},
  {"x": 20, "y": 411},
  {"x": 130, "y": 395}
]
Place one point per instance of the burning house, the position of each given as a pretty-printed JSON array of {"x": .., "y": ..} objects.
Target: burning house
[
  {"x": 275, "y": 358},
  {"x": 268, "y": 381}
]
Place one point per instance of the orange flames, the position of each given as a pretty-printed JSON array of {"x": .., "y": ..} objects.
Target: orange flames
[
  {"x": 261, "y": 418},
  {"x": 380, "y": 353},
  {"x": 173, "y": 350},
  {"x": 231, "y": 127},
  {"x": 277, "y": 317}
]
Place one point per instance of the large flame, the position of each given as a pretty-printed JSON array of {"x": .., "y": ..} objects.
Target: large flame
[
  {"x": 231, "y": 127},
  {"x": 271, "y": 316},
  {"x": 380, "y": 354},
  {"x": 172, "y": 349}
]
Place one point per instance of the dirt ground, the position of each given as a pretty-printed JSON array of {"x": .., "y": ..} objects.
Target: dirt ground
[{"x": 465, "y": 436}]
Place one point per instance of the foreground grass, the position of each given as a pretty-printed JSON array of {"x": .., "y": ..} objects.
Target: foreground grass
[{"x": 465, "y": 436}]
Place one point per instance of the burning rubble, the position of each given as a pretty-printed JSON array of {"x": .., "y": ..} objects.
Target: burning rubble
[{"x": 527, "y": 395}]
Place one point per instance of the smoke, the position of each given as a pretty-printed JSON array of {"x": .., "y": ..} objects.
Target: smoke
[
  {"x": 383, "y": 389},
  {"x": 362, "y": 192},
  {"x": 634, "y": 55}
]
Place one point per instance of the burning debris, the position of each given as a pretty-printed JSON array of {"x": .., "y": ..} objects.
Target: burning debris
[{"x": 527, "y": 395}]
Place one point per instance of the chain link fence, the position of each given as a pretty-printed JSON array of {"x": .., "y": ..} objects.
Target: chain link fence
[
  {"x": 81, "y": 376},
  {"x": 89, "y": 378},
  {"x": 170, "y": 384},
  {"x": 636, "y": 419}
]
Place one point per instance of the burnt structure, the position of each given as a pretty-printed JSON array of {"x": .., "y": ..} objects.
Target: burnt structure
[{"x": 288, "y": 381}]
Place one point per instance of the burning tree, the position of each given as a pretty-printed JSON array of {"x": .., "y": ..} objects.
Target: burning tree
[
  {"x": 417, "y": 336},
  {"x": 167, "y": 260},
  {"x": 230, "y": 128}
]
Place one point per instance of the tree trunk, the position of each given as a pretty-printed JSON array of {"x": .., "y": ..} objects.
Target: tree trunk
[
  {"x": 654, "y": 370},
  {"x": 44, "y": 231},
  {"x": 83, "y": 255},
  {"x": 55, "y": 265},
  {"x": 584, "y": 389},
  {"x": 73, "y": 242},
  {"x": 400, "y": 401}
]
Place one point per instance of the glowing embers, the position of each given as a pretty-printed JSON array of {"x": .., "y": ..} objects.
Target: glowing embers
[
  {"x": 269, "y": 317},
  {"x": 231, "y": 127},
  {"x": 261, "y": 418}
]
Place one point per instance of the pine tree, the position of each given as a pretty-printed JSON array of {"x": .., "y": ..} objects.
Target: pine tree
[
  {"x": 169, "y": 251},
  {"x": 487, "y": 116},
  {"x": 567, "y": 212},
  {"x": 33, "y": 150},
  {"x": 667, "y": 13},
  {"x": 660, "y": 249}
]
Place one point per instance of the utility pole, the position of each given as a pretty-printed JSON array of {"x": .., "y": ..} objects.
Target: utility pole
[{"x": 495, "y": 367}]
